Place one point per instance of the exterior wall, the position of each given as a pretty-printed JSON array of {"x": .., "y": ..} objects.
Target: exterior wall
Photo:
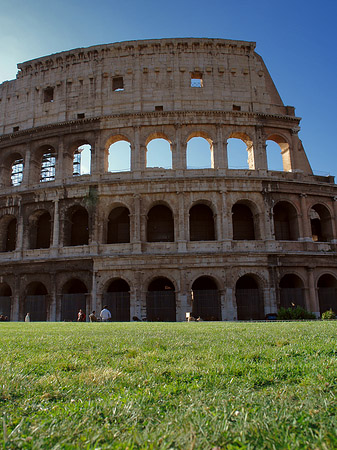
[{"x": 157, "y": 73}]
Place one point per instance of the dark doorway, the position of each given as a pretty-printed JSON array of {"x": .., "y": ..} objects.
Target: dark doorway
[
  {"x": 36, "y": 302},
  {"x": 73, "y": 299},
  {"x": 10, "y": 244},
  {"x": 5, "y": 300},
  {"x": 206, "y": 299},
  {"x": 201, "y": 223},
  {"x": 291, "y": 292},
  {"x": 285, "y": 222},
  {"x": 117, "y": 298},
  {"x": 248, "y": 299},
  {"x": 327, "y": 293},
  {"x": 160, "y": 225},
  {"x": 243, "y": 223},
  {"x": 77, "y": 227},
  {"x": 161, "y": 301},
  {"x": 119, "y": 226}
]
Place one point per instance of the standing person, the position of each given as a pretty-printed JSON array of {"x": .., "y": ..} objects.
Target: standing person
[
  {"x": 27, "y": 318},
  {"x": 81, "y": 316},
  {"x": 105, "y": 314},
  {"x": 92, "y": 317}
]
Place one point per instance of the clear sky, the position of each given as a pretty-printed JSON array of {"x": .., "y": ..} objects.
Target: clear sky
[{"x": 297, "y": 40}]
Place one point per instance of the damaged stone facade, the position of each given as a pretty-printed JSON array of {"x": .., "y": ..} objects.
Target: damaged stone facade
[{"x": 155, "y": 243}]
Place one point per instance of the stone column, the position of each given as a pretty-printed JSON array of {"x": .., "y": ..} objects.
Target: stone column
[
  {"x": 135, "y": 226},
  {"x": 135, "y": 151},
  {"x": 220, "y": 158},
  {"x": 313, "y": 303},
  {"x": 181, "y": 225},
  {"x": 99, "y": 159},
  {"x": 334, "y": 220},
  {"x": 305, "y": 234},
  {"x": 52, "y": 298},
  {"x": 93, "y": 293},
  {"x": 26, "y": 167},
  {"x": 16, "y": 300},
  {"x": 56, "y": 223},
  {"x": 260, "y": 154}
]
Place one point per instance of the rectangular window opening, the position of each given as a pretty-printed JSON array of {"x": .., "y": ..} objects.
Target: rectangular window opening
[
  {"x": 159, "y": 108},
  {"x": 15, "y": 129},
  {"x": 117, "y": 84},
  {"x": 236, "y": 108},
  {"x": 81, "y": 116},
  {"x": 196, "y": 80},
  {"x": 48, "y": 95}
]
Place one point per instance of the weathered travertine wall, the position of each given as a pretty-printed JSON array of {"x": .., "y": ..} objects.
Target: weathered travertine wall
[{"x": 256, "y": 229}]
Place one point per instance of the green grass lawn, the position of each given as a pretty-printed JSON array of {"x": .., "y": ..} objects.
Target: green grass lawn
[{"x": 168, "y": 386}]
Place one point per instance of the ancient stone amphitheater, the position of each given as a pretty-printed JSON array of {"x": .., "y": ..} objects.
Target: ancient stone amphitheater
[{"x": 209, "y": 239}]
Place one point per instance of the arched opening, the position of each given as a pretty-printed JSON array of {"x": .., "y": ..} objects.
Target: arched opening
[
  {"x": 240, "y": 152},
  {"x": 206, "y": 299},
  {"x": 199, "y": 153},
  {"x": 48, "y": 164},
  {"x": 77, "y": 227},
  {"x": 274, "y": 156},
  {"x": 82, "y": 160},
  {"x": 118, "y": 226},
  {"x": 274, "y": 151},
  {"x": 201, "y": 223},
  {"x": 5, "y": 301},
  {"x": 249, "y": 300},
  {"x": 74, "y": 295},
  {"x": 17, "y": 171},
  {"x": 159, "y": 154},
  {"x": 117, "y": 299},
  {"x": 161, "y": 301},
  {"x": 119, "y": 156},
  {"x": 160, "y": 224},
  {"x": 8, "y": 233},
  {"x": 291, "y": 291},
  {"x": 327, "y": 293},
  {"x": 35, "y": 302},
  {"x": 243, "y": 222},
  {"x": 285, "y": 222},
  {"x": 321, "y": 224},
  {"x": 40, "y": 230}
]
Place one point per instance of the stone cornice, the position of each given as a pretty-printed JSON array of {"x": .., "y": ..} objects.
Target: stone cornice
[{"x": 222, "y": 115}]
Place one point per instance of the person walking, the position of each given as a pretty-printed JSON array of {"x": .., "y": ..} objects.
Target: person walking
[
  {"x": 105, "y": 314},
  {"x": 27, "y": 318}
]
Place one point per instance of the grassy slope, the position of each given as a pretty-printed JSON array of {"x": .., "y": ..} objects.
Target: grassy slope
[{"x": 159, "y": 385}]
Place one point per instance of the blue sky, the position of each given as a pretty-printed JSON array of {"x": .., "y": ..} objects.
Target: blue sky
[{"x": 297, "y": 40}]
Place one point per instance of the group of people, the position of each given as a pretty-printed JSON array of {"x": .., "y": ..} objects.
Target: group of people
[
  {"x": 104, "y": 316},
  {"x": 3, "y": 318}
]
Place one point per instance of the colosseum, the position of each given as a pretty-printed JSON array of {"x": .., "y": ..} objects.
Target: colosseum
[{"x": 88, "y": 216}]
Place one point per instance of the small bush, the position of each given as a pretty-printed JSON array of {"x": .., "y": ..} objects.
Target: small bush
[
  {"x": 297, "y": 313},
  {"x": 328, "y": 315}
]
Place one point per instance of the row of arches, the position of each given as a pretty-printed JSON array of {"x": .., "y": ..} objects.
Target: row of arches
[
  {"x": 157, "y": 153},
  {"x": 161, "y": 298},
  {"x": 160, "y": 225}
]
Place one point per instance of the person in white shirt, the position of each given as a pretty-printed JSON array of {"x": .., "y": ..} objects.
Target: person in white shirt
[{"x": 105, "y": 314}]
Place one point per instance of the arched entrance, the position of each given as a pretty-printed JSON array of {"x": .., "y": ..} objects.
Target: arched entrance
[
  {"x": 206, "y": 299},
  {"x": 73, "y": 299},
  {"x": 201, "y": 223},
  {"x": 249, "y": 299},
  {"x": 117, "y": 299},
  {"x": 327, "y": 293},
  {"x": 161, "y": 301},
  {"x": 5, "y": 300},
  {"x": 35, "y": 302},
  {"x": 160, "y": 224},
  {"x": 291, "y": 291}
]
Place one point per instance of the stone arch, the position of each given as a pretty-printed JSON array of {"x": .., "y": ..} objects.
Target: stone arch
[
  {"x": 285, "y": 150},
  {"x": 201, "y": 222},
  {"x": 76, "y": 226},
  {"x": 117, "y": 299},
  {"x": 8, "y": 233},
  {"x": 327, "y": 292},
  {"x": 291, "y": 291},
  {"x": 5, "y": 300},
  {"x": 36, "y": 302},
  {"x": 40, "y": 230},
  {"x": 244, "y": 220},
  {"x": 235, "y": 155},
  {"x": 160, "y": 224},
  {"x": 118, "y": 229},
  {"x": 158, "y": 151},
  {"x": 321, "y": 223},
  {"x": 161, "y": 300},
  {"x": 74, "y": 298},
  {"x": 199, "y": 150},
  {"x": 118, "y": 154},
  {"x": 206, "y": 302},
  {"x": 80, "y": 152},
  {"x": 12, "y": 169},
  {"x": 285, "y": 221},
  {"x": 249, "y": 298}
]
